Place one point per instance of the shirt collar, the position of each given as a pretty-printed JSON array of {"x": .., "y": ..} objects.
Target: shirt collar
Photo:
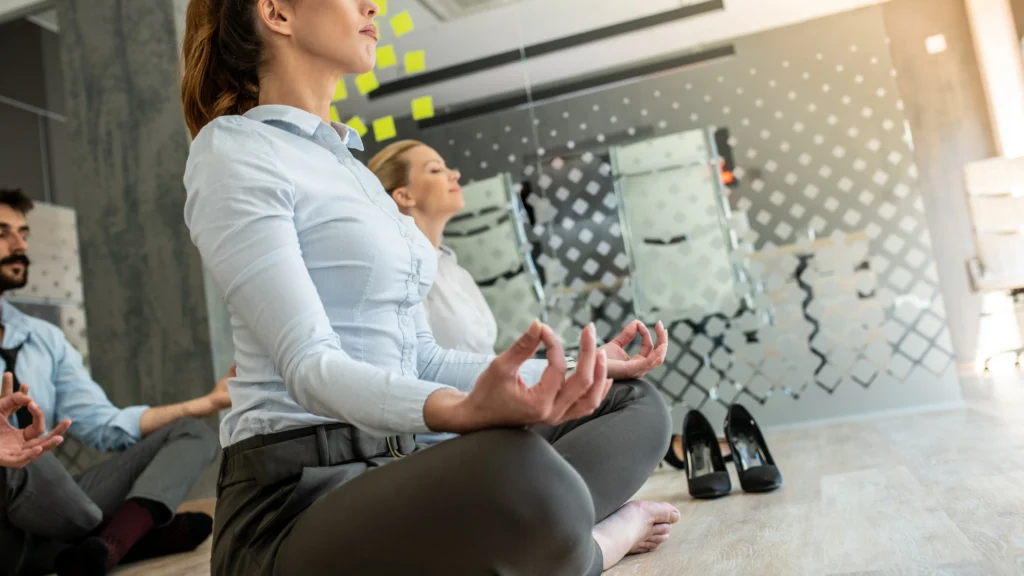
[
  {"x": 15, "y": 330},
  {"x": 304, "y": 121},
  {"x": 446, "y": 252}
]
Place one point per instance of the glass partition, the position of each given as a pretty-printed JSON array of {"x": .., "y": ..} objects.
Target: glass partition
[{"x": 755, "y": 192}]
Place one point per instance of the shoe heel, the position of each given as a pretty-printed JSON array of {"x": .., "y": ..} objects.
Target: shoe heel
[{"x": 754, "y": 463}]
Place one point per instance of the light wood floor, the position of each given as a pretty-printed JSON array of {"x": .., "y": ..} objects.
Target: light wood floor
[{"x": 939, "y": 493}]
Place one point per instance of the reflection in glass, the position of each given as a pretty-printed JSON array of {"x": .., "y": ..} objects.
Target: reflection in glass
[
  {"x": 675, "y": 218},
  {"x": 489, "y": 238}
]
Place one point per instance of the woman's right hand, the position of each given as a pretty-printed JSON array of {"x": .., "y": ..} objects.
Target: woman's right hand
[{"x": 502, "y": 399}]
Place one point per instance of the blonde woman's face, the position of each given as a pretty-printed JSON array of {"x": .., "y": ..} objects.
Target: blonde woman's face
[{"x": 433, "y": 187}]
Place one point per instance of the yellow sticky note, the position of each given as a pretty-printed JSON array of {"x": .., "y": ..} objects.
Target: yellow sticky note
[
  {"x": 415, "y": 61},
  {"x": 384, "y": 128},
  {"x": 402, "y": 23},
  {"x": 367, "y": 82},
  {"x": 340, "y": 91},
  {"x": 382, "y": 5},
  {"x": 386, "y": 57},
  {"x": 356, "y": 123},
  {"x": 334, "y": 115},
  {"x": 423, "y": 108}
]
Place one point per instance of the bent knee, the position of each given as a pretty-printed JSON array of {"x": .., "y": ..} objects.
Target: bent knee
[
  {"x": 646, "y": 399},
  {"x": 197, "y": 431},
  {"x": 532, "y": 485}
]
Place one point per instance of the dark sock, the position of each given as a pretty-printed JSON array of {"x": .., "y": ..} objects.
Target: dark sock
[
  {"x": 88, "y": 558},
  {"x": 184, "y": 534},
  {"x": 128, "y": 525},
  {"x": 132, "y": 521}
]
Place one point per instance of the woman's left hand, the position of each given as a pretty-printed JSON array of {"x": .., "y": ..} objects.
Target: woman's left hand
[{"x": 621, "y": 366}]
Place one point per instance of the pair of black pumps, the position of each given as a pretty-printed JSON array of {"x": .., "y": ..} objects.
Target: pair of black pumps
[{"x": 704, "y": 464}]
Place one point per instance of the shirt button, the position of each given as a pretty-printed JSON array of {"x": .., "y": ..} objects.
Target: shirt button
[{"x": 405, "y": 320}]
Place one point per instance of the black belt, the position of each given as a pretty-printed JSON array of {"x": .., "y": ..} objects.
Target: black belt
[{"x": 272, "y": 458}]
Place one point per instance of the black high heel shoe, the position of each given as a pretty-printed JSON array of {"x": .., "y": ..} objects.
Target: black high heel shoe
[
  {"x": 754, "y": 463},
  {"x": 706, "y": 475}
]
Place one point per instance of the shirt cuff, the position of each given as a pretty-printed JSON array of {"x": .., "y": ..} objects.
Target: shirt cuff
[
  {"x": 403, "y": 407},
  {"x": 127, "y": 421}
]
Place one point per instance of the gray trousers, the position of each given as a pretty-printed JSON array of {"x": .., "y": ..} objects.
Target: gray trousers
[
  {"x": 43, "y": 508},
  {"x": 509, "y": 502}
]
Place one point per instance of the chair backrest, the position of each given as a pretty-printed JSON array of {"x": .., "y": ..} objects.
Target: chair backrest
[{"x": 996, "y": 195}]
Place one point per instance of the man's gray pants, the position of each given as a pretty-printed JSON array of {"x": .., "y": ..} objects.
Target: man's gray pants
[{"x": 43, "y": 508}]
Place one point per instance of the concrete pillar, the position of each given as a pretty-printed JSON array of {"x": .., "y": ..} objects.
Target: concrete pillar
[{"x": 143, "y": 280}]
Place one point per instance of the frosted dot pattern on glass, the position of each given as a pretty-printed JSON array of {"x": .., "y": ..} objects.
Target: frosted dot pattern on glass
[
  {"x": 671, "y": 151},
  {"x": 489, "y": 252},
  {"x": 487, "y": 236},
  {"x": 816, "y": 130},
  {"x": 515, "y": 302},
  {"x": 680, "y": 257}
]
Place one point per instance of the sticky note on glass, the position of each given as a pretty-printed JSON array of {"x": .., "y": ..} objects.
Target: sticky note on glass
[
  {"x": 356, "y": 123},
  {"x": 334, "y": 115},
  {"x": 340, "y": 91},
  {"x": 415, "y": 61},
  {"x": 384, "y": 128},
  {"x": 367, "y": 83},
  {"x": 382, "y": 5},
  {"x": 423, "y": 108},
  {"x": 402, "y": 23},
  {"x": 386, "y": 57}
]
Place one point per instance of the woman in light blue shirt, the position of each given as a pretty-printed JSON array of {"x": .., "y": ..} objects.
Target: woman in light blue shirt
[{"x": 337, "y": 368}]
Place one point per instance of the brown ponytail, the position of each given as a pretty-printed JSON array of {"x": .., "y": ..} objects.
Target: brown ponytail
[{"x": 221, "y": 56}]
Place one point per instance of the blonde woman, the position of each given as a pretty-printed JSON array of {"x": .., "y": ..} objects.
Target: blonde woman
[
  {"x": 338, "y": 368},
  {"x": 428, "y": 191}
]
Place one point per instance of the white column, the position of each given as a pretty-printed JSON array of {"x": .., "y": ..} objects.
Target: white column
[{"x": 1002, "y": 71}]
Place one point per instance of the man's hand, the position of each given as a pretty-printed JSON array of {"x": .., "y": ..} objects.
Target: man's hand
[
  {"x": 623, "y": 367},
  {"x": 219, "y": 398},
  {"x": 160, "y": 416},
  {"x": 20, "y": 447}
]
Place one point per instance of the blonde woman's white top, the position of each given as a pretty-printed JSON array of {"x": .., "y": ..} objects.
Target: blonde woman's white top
[{"x": 456, "y": 310}]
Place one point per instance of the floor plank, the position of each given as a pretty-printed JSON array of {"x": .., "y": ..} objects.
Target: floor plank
[{"x": 938, "y": 494}]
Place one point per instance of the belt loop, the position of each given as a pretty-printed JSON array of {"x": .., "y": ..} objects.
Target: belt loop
[
  {"x": 220, "y": 471},
  {"x": 322, "y": 447}
]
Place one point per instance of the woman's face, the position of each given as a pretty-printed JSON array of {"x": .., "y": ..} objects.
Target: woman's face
[
  {"x": 340, "y": 33},
  {"x": 433, "y": 188}
]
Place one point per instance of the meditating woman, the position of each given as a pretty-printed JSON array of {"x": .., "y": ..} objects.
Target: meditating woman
[{"x": 337, "y": 367}]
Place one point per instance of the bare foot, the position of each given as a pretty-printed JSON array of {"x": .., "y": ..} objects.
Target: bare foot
[{"x": 636, "y": 528}]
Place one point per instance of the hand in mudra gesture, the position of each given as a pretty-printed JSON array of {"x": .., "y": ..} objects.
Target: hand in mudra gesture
[
  {"x": 622, "y": 366},
  {"x": 19, "y": 447},
  {"x": 501, "y": 398}
]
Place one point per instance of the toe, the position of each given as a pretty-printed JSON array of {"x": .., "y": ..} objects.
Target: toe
[
  {"x": 656, "y": 540},
  {"x": 661, "y": 529},
  {"x": 659, "y": 512}
]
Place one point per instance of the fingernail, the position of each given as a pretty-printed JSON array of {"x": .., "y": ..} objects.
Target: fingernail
[{"x": 602, "y": 355}]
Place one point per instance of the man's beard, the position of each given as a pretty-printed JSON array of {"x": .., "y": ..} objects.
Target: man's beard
[{"x": 8, "y": 282}]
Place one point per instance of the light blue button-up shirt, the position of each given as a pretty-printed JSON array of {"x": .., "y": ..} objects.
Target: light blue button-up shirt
[
  {"x": 60, "y": 385},
  {"x": 323, "y": 277}
]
